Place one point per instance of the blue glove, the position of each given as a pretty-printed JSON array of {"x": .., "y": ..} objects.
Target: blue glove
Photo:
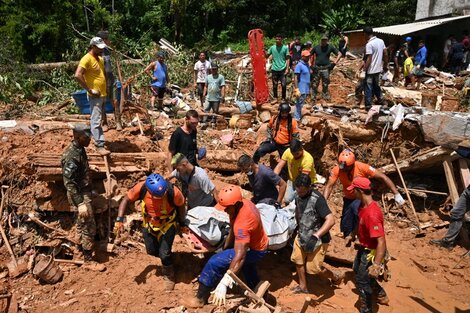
[{"x": 201, "y": 153}]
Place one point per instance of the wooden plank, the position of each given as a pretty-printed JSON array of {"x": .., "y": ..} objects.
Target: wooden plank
[
  {"x": 464, "y": 172},
  {"x": 450, "y": 177}
]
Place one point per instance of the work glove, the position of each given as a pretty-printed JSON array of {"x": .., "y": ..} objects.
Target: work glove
[
  {"x": 118, "y": 226},
  {"x": 375, "y": 270},
  {"x": 399, "y": 199},
  {"x": 311, "y": 244},
  {"x": 95, "y": 93},
  {"x": 418, "y": 66},
  {"x": 201, "y": 153},
  {"x": 221, "y": 290},
  {"x": 83, "y": 210}
]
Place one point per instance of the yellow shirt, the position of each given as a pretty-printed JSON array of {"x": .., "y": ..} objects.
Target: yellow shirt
[
  {"x": 407, "y": 67},
  {"x": 94, "y": 73},
  {"x": 297, "y": 166}
]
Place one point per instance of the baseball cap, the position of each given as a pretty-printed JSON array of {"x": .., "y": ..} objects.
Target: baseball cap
[
  {"x": 359, "y": 182},
  {"x": 324, "y": 37},
  {"x": 177, "y": 158},
  {"x": 98, "y": 42},
  {"x": 82, "y": 128},
  {"x": 305, "y": 53},
  {"x": 214, "y": 65},
  {"x": 308, "y": 43}
]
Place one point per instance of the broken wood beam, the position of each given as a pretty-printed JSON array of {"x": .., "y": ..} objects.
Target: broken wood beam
[
  {"x": 48, "y": 166},
  {"x": 346, "y": 130},
  {"x": 450, "y": 178},
  {"x": 424, "y": 159}
]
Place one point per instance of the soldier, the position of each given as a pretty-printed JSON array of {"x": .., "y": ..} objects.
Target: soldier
[{"x": 76, "y": 173}]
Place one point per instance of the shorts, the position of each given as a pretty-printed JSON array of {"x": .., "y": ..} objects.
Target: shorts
[
  {"x": 200, "y": 89},
  {"x": 158, "y": 91},
  {"x": 313, "y": 261},
  {"x": 417, "y": 72}
]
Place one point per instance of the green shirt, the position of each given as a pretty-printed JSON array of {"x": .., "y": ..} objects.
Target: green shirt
[
  {"x": 322, "y": 54},
  {"x": 279, "y": 54},
  {"x": 214, "y": 86}
]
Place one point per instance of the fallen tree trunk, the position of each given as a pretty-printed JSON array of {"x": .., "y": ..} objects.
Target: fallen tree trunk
[
  {"x": 48, "y": 166},
  {"x": 70, "y": 65},
  {"x": 422, "y": 160},
  {"x": 341, "y": 130}
]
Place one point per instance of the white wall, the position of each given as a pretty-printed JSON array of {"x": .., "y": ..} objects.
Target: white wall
[{"x": 433, "y": 8}]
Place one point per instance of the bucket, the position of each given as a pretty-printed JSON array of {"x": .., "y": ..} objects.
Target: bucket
[
  {"x": 81, "y": 100},
  {"x": 244, "y": 106},
  {"x": 48, "y": 270}
]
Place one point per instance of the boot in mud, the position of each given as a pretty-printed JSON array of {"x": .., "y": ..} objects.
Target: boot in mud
[{"x": 169, "y": 277}]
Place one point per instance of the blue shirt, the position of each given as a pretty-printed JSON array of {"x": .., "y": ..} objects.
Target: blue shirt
[
  {"x": 160, "y": 73},
  {"x": 420, "y": 57},
  {"x": 264, "y": 184},
  {"x": 303, "y": 77}
]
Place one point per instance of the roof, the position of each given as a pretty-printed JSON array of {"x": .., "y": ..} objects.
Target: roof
[{"x": 404, "y": 29}]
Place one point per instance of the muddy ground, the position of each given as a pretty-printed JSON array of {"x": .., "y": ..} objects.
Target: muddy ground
[{"x": 424, "y": 278}]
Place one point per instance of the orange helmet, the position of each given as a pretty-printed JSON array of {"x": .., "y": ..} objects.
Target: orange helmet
[
  {"x": 229, "y": 195},
  {"x": 346, "y": 158}
]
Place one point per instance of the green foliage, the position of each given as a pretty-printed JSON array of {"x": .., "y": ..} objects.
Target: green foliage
[{"x": 345, "y": 18}]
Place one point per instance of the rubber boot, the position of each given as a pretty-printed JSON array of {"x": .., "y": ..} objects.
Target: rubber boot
[
  {"x": 201, "y": 298},
  {"x": 366, "y": 302},
  {"x": 90, "y": 263},
  {"x": 169, "y": 277},
  {"x": 382, "y": 297}
]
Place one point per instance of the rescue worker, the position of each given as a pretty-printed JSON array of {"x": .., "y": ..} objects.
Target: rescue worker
[
  {"x": 197, "y": 186},
  {"x": 162, "y": 206},
  {"x": 315, "y": 220},
  {"x": 263, "y": 181},
  {"x": 76, "y": 175},
  {"x": 346, "y": 170},
  {"x": 298, "y": 161},
  {"x": 282, "y": 128},
  {"x": 457, "y": 215},
  {"x": 369, "y": 262},
  {"x": 244, "y": 247}
]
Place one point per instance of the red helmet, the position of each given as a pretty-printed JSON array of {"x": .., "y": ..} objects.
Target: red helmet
[
  {"x": 229, "y": 195},
  {"x": 346, "y": 158}
]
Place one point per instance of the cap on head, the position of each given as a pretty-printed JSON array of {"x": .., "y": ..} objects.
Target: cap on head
[
  {"x": 229, "y": 195},
  {"x": 97, "y": 42},
  {"x": 408, "y": 38},
  {"x": 346, "y": 158},
  {"x": 305, "y": 53},
  {"x": 284, "y": 108},
  {"x": 104, "y": 34},
  {"x": 214, "y": 65},
  {"x": 177, "y": 159},
  {"x": 81, "y": 128},
  {"x": 160, "y": 54},
  {"x": 308, "y": 43},
  {"x": 359, "y": 182},
  {"x": 324, "y": 37}
]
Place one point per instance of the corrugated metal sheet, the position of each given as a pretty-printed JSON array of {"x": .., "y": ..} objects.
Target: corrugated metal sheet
[{"x": 404, "y": 29}]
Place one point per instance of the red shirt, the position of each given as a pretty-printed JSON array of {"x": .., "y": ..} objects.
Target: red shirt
[
  {"x": 248, "y": 227},
  {"x": 371, "y": 225}
]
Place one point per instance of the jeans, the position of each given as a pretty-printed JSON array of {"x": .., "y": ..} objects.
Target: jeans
[
  {"x": 372, "y": 88},
  {"x": 160, "y": 248},
  {"x": 279, "y": 76},
  {"x": 323, "y": 74},
  {"x": 457, "y": 215},
  {"x": 211, "y": 105},
  {"x": 219, "y": 263},
  {"x": 365, "y": 284},
  {"x": 349, "y": 216},
  {"x": 96, "y": 109},
  {"x": 298, "y": 107}
]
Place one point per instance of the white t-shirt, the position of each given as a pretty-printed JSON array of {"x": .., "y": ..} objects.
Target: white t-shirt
[
  {"x": 375, "y": 46},
  {"x": 447, "y": 46},
  {"x": 202, "y": 70}
]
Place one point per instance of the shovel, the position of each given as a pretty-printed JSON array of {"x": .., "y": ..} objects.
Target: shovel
[{"x": 110, "y": 186}]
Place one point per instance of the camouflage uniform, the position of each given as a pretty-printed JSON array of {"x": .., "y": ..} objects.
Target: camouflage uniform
[{"x": 78, "y": 184}]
